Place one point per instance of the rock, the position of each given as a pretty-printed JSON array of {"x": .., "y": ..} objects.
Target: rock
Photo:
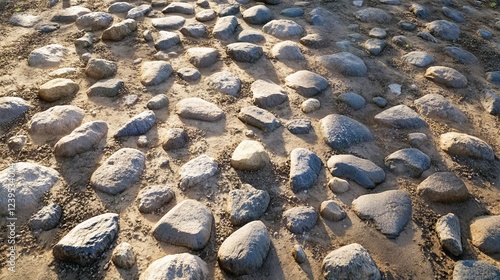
[
  {"x": 287, "y": 50},
  {"x": 378, "y": 33},
  {"x": 463, "y": 145},
  {"x": 380, "y": 101},
  {"x": 189, "y": 74},
  {"x": 24, "y": 20},
  {"x": 249, "y": 155},
  {"x": 400, "y": 41},
  {"x": 305, "y": 167},
  {"x": 188, "y": 224},
  {"x": 225, "y": 27},
  {"x": 194, "y": 30},
  {"x": 175, "y": 138},
  {"x": 228, "y": 10},
  {"x": 314, "y": 41},
  {"x": 84, "y": 42},
  {"x": 443, "y": 187},
  {"x": 292, "y": 12},
  {"x": 361, "y": 171},
  {"x": 17, "y": 143},
  {"x": 306, "y": 83},
  {"x": 389, "y": 210},
  {"x": 485, "y": 34},
  {"x": 283, "y": 28},
  {"x": 471, "y": 269},
  {"x": 139, "y": 11},
  {"x": 244, "y": 52},
  {"x": 338, "y": 185},
  {"x": 203, "y": 57},
  {"x": 427, "y": 36},
  {"x": 353, "y": 100},
  {"x": 310, "y": 105},
  {"x": 408, "y": 162},
  {"x": 100, "y": 68},
  {"x": 330, "y": 210},
  {"x": 345, "y": 63},
  {"x": 47, "y": 56},
  {"x": 341, "y": 132},
  {"x": 62, "y": 72},
  {"x": 57, "y": 120},
  {"x": 298, "y": 254},
  {"x": 247, "y": 204},
  {"x": 120, "y": 31},
  {"x": 88, "y": 241},
  {"x": 448, "y": 229},
  {"x": 407, "y": 25},
  {"x": 47, "y": 27},
  {"x": 490, "y": 102},
  {"x": 300, "y": 219},
  {"x": 166, "y": 40},
  {"x": 299, "y": 126},
  {"x": 454, "y": 15},
  {"x": 106, "y": 88},
  {"x": 154, "y": 197},
  {"x": 198, "y": 109},
  {"x": 94, "y": 21},
  {"x": 168, "y": 23},
  {"x": 419, "y": 11},
  {"x": 460, "y": 55},
  {"x": 444, "y": 29},
  {"x": 179, "y": 7},
  {"x": 120, "y": 7},
  {"x": 158, "y": 102},
  {"x": 400, "y": 117},
  {"x": 250, "y": 36},
  {"x": 485, "y": 233},
  {"x": 375, "y": 46},
  {"x": 123, "y": 256},
  {"x": 155, "y": 72},
  {"x": 394, "y": 89},
  {"x": 374, "y": 15},
  {"x": 69, "y": 15},
  {"x": 138, "y": 125},
  {"x": 245, "y": 250},
  {"x": 418, "y": 58},
  {"x": 390, "y": 2},
  {"x": 225, "y": 82},
  {"x": 197, "y": 171},
  {"x": 493, "y": 77},
  {"x": 12, "y": 108},
  {"x": 119, "y": 172},
  {"x": 258, "y": 14},
  {"x": 267, "y": 94},
  {"x": 437, "y": 107},
  {"x": 56, "y": 89},
  {"x": 350, "y": 262},
  {"x": 47, "y": 218},
  {"x": 260, "y": 118},
  {"x": 206, "y": 15},
  {"x": 417, "y": 139},
  {"x": 183, "y": 266},
  {"x": 83, "y": 139}
]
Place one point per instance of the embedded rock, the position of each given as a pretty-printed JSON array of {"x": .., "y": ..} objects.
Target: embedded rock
[
  {"x": 203, "y": 57},
  {"x": 94, "y": 21},
  {"x": 341, "y": 132},
  {"x": 306, "y": 83},
  {"x": 84, "y": 138},
  {"x": 437, "y": 107},
  {"x": 361, "y": 171},
  {"x": 198, "y": 109},
  {"x": 463, "y": 145},
  {"x": 138, "y": 125},
  {"x": 472, "y": 270},
  {"x": 106, "y": 88},
  {"x": 444, "y": 187},
  {"x": 155, "y": 72},
  {"x": 225, "y": 82},
  {"x": 197, "y": 171},
  {"x": 350, "y": 262},
  {"x": 418, "y": 58},
  {"x": 244, "y": 52},
  {"x": 401, "y": 117},
  {"x": 100, "y": 68},
  {"x": 304, "y": 169},
  {"x": 120, "y": 31},
  {"x": 47, "y": 218},
  {"x": 258, "y": 14},
  {"x": 47, "y": 56},
  {"x": 283, "y": 28},
  {"x": 408, "y": 162},
  {"x": 300, "y": 219},
  {"x": 166, "y": 40},
  {"x": 56, "y": 89},
  {"x": 249, "y": 155},
  {"x": 177, "y": 266},
  {"x": 247, "y": 204},
  {"x": 57, "y": 120},
  {"x": 346, "y": 63},
  {"x": 444, "y": 29},
  {"x": 485, "y": 233},
  {"x": 287, "y": 50},
  {"x": 267, "y": 94},
  {"x": 448, "y": 229},
  {"x": 225, "y": 27},
  {"x": 260, "y": 118}
]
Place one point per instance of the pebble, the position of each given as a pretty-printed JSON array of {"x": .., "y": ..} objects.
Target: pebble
[
  {"x": 123, "y": 256},
  {"x": 17, "y": 143},
  {"x": 179, "y": 7},
  {"x": 267, "y": 94},
  {"x": 139, "y": 11},
  {"x": 419, "y": 11},
  {"x": 473, "y": 269},
  {"x": 183, "y": 265},
  {"x": 197, "y": 171},
  {"x": 247, "y": 204},
  {"x": 299, "y": 126},
  {"x": 283, "y": 28},
  {"x": 330, "y": 210},
  {"x": 305, "y": 167},
  {"x": 485, "y": 233},
  {"x": 298, "y": 254},
  {"x": 202, "y": 57},
  {"x": 206, "y": 15},
  {"x": 57, "y": 89},
  {"x": 225, "y": 82},
  {"x": 198, "y": 109},
  {"x": 400, "y": 117},
  {"x": 465, "y": 146},
  {"x": 346, "y": 63},
  {"x": 306, "y": 83},
  {"x": 287, "y": 50},
  {"x": 437, "y": 107},
  {"x": 57, "y": 120},
  {"x": 47, "y": 218},
  {"x": 94, "y": 21},
  {"x": 258, "y": 14},
  {"x": 225, "y": 27},
  {"x": 373, "y": 15},
  {"x": 380, "y": 101},
  {"x": 175, "y": 138},
  {"x": 158, "y": 102},
  {"x": 106, "y": 88},
  {"x": 120, "y": 31},
  {"x": 244, "y": 52},
  {"x": 375, "y": 46},
  {"x": 350, "y": 260},
  {"x": 448, "y": 229},
  {"x": 362, "y": 171},
  {"x": 120, "y": 7},
  {"x": 300, "y": 219},
  {"x": 154, "y": 197},
  {"x": 48, "y": 56},
  {"x": 408, "y": 162},
  {"x": 155, "y": 72},
  {"x": 83, "y": 139},
  {"x": 100, "y": 68},
  {"x": 260, "y": 118},
  {"x": 292, "y": 12},
  {"x": 461, "y": 56},
  {"x": 70, "y": 14},
  {"x": 378, "y": 33},
  {"x": 491, "y": 102},
  {"x": 189, "y": 74},
  {"x": 341, "y": 132},
  {"x": 249, "y": 155},
  {"x": 427, "y": 36},
  {"x": 166, "y": 40},
  {"x": 314, "y": 41},
  {"x": 138, "y": 125},
  {"x": 250, "y": 36},
  {"x": 168, "y": 23},
  {"x": 338, "y": 186},
  {"x": 444, "y": 29},
  {"x": 194, "y": 30},
  {"x": 407, "y": 25},
  {"x": 453, "y": 14},
  {"x": 228, "y": 10},
  {"x": 418, "y": 58},
  {"x": 310, "y": 105},
  {"x": 353, "y": 100}
]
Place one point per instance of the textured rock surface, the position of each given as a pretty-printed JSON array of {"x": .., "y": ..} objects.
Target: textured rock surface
[
  {"x": 444, "y": 187},
  {"x": 400, "y": 116},
  {"x": 361, "y": 171},
  {"x": 197, "y": 171},
  {"x": 300, "y": 219},
  {"x": 155, "y": 72},
  {"x": 82, "y": 139},
  {"x": 471, "y": 269},
  {"x": 341, "y": 132},
  {"x": 182, "y": 266},
  {"x": 57, "y": 120},
  {"x": 485, "y": 233},
  {"x": 463, "y": 145},
  {"x": 448, "y": 229},
  {"x": 249, "y": 155},
  {"x": 408, "y": 162},
  {"x": 350, "y": 262},
  {"x": 198, "y": 109},
  {"x": 247, "y": 204},
  {"x": 306, "y": 83},
  {"x": 304, "y": 169}
]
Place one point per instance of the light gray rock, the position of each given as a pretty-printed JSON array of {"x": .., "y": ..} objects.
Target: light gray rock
[
  {"x": 119, "y": 172},
  {"x": 337, "y": 185},
  {"x": 314, "y": 41},
  {"x": 419, "y": 11},
  {"x": 47, "y": 218},
  {"x": 283, "y": 28},
  {"x": 198, "y": 109},
  {"x": 407, "y": 25},
  {"x": 94, "y": 21},
  {"x": 437, "y": 107},
  {"x": 245, "y": 250},
  {"x": 306, "y": 83},
  {"x": 389, "y": 210},
  {"x": 330, "y": 210},
  {"x": 427, "y": 36},
  {"x": 84, "y": 42},
  {"x": 310, "y": 105},
  {"x": 188, "y": 224},
  {"x": 206, "y": 15},
  {"x": 400, "y": 41},
  {"x": 225, "y": 82},
  {"x": 106, "y": 88},
  {"x": 485, "y": 233},
  {"x": 490, "y": 102},
  {"x": 62, "y": 72},
  {"x": 258, "y": 14},
  {"x": 12, "y": 108},
  {"x": 408, "y": 162},
  {"x": 139, "y": 11},
  {"x": 298, "y": 254},
  {"x": 292, "y": 12},
  {"x": 350, "y": 262},
  {"x": 88, "y": 241},
  {"x": 123, "y": 256},
  {"x": 353, "y": 100},
  {"x": 228, "y": 10},
  {"x": 267, "y": 94},
  {"x": 378, "y": 33},
  {"x": 58, "y": 88},
  {"x": 493, "y": 77},
  {"x": 287, "y": 50},
  {"x": 197, "y": 171},
  {"x": 448, "y": 229},
  {"x": 225, "y": 27},
  {"x": 98, "y": 68},
  {"x": 346, "y": 63},
  {"x": 179, "y": 7},
  {"x": 443, "y": 187},
  {"x": 249, "y": 155},
  {"x": 203, "y": 57},
  {"x": 472, "y": 270},
  {"x": 374, "y": 15},
  {"x": 247, "y": 204},
  {"x": 189, "y": 74},
  {"x": 155, "y": 72},
  {"x": 461, "y": 56},
  {"x": 341, "y": 132},
  {"x": 168, "y": 23},
  {"x": 299, "y": 126},
  {"x": 244, "y": 52},
  {"x": 70, "y": 14},
  {"x": 375, "y": 46},
  {"x": 464, "y": 145},
  {"x": 120, "y": 31},
  {"x": 24, "y": 20},
  {"x": 120, "y": 7},
  {"x": 444, "y": 29},
  {"x": 166, "y": 40},
  {"x": 361, "y": 171},
  {"x": 177, "y": 266},
  {"x": 138, "y": 125},
  {"x": 154, "y": 197},
  {"x": 260, "y": 118},
  {"x": 304, "y": 169},
  {"x": 48, "y": 56},
  {"x": 453, "y": 14},
  {"x": 418, "y": 58},
  {"x": 300, "y": 219},
  {"x": 57, "y": 120},
  {"x": 250, "y": 36},
  {"x": 401, "y": 117},
  {"x": 83, "y": 139},
  {"x": 158, "y": 102},
  {"x": 194, "y": 30},
  {"x": 175, "y": 138}
]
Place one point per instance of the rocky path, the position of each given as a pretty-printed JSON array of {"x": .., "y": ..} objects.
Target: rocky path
[{"x": 250, "y": 140}]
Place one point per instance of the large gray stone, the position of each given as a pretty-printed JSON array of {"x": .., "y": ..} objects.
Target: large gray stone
[
  {"x": 437, "y": 107},
  {"x": 353, "y": 100},
  {"x": 120, "y": 7},
  {"x": 47, "y": 56},
  {"x": 47, "y": 218},
  {"x": 361, "y": 171},
  {"x": 464, "y": 145},
  {"x": 139, "y": 11},
  {"x": 304, "y": 169},
  {"x": 250, "y": 36},
  {"x": 249, "y": 155},
  {"x": 401, "y": 117},
  {"x": 453, "y": 14},
  {"x": 197, "y": 171},
  {"x": 58, "y": 88},
  {"x": 444, "y": 29},
  {"x": 374, "y": 46},
  {"x": 138, "y": 125},
  {"x": 24, "y": 20},
  {"x": 198, "y": 109},
  {"x": 300, "y": 219},
  {"x": 460, "y": 55},
  {"x": 350, "y": 262},
  {"x": 106, "y": 88},
  {"x": 179, "y": 7},
  {"x": 408, "y": 162},
  {"x": 341, "y": 132},
  {"x": 444, "y": 187},
  {"x": 57, "y": 120},
  {"x": 225, "y": 27},
  {"x": 120, "y": 31},
  {"x": 225, "y": 82},
  {"x": 448, "y": 229},
  {"x": 12, "y": 108},
  {"x": 267, "y": 94},
  {"x": 490, "y": 102},
  {"x": 168, "y": 23},
  {"x": 485, "y": 233},
  {"x": 84, "y": 138},
  {"x": 474, "y": 270},
  {"x": 418, "y": 58},
  {"x": 177, "y": 266},
  {"x": 123, "y": 256},
  {"x": 306, "y": 83},
  {"x": 94, "y": 21},
  {"x": 155, "y": 72},
  {"x": 258, "y": 14},
  {"x": 166, "y": 40},
  {"x": 194, "y": 30},
  {"x": 346, "y": 63},
  {"x": 98, "y": 68},
  {"x": 247, "y": 204},
  {"x": 202, "y": 57},
  {"x": 244, "y": 52},
  {"x": 260, "y": 118},
  {"x": 330, "y": 210},
  {"x": 374, "y": 15},
  {"x": 283, "y": 28},
  {"x": 287, "y": 50}
]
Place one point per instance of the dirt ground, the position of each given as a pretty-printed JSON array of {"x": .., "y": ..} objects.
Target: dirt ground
[{"x": 415, "y": 254}]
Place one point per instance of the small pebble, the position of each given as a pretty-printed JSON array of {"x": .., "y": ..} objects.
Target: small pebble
[
  {"x": 298, "y": 254},
  {"x": 380, "y": 101},
  {"x": 142, "y": 141}
]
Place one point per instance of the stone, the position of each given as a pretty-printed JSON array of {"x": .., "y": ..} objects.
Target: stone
[
  {"x": 485, "y": 233},
  {"x": 12, "y": 108},
  {"x": 228, "y": 10},
  {"x": 350, "y": 262},
  {"x": 390, "y": 2},
  {"x": 337, "y": 185},
  {"x": 88, "y": 241},
  {"x": 330, "y": 210},
  {"x": 258, "y": 14},
  {"x": 272, "y": 2},
  {"x": 267, "y": 94},
  {"x": 17, "y": 143},
  {"x": 314, "y": 41},
  {"x": 138, "y": 125},
  {"x": 287, "y": 50},
  {"x": 168, "y": 23},
  {"x": 194, "y": 30},
  {"x": 100, "y": 68},
  {"x": 188, "y": 224},
  {"x": 119, "y": 172},
  {"x": 346, "y": 63},
  {"x": 106, "y": 88},
  {"x": 353, "y": 100},
  {"x": 180, "y": 266},
  {"x": 417, "y": 139},
  {"x": 225, "y": 82},
  {"x": 155, "y": 72},
  {"x": 461, "y": 56},
  {"x": 245, "y": 250},
  {"x": 401, "y": 41},
  {"x": 179, "y": 7},
  {"x": 305, "y": 167},
  {"x": 310, "y": 105},
  {"x": 472, "y": 269},
  {"x": 123, "y": 256},
  {"x": 206, "y": 15},
  {"x": 380, "y": 101},
  {"x": 260, "y": 118},
  {"x": 47, "y": 27},
  {"x": 166, "y": 40},
  {"x": 485, "y": 34},
  {"x": 394, "y": 89},
  {"x": 247, "y": 204},
  {"x": 407, "y": 25},
  {"x": 84, "y": 42},
  {"x": 47, "y": 56},
  {"x": 249, "y": 155},
  {"x": 298, "y": 254},
  {"x": 83, "y": 139},
  {"x": 390, "y": 210},
  {"x": 418, "y": 58},
  {"x": 203, "y": 57},
  {"x": 444, "y": 29},
  {"x": 427, "y": 36},
  {"x": 70, "y": 14},
  {"x": 465, "y": 146},
  {"x": 306, "y": 83},
  {"x": 94, "y": 21},
  {"x": 490, "y": 102},
  {"x": 57, "y": 120},
  {"x": 448, "y": 229},
  {"x": 292, "y": 12},
  {"x": 120, "y": 31},
  {"x": 374, "y": 15},
  {"x": 375, "y": 46},
  {"x": 154, "y": 197},
  {"x": 283, "y": 28},
  {"x": 47, "y": 218},
  {"x": 341, "y": 132},
  {"x": 453, "y": 14},
  {"x": 244, "y": 52},
  {"x": 197, "y": 171},
  {"x": 158, "y": 102},
  {"x": 419, "y": 11},
  {"x": 139, "y": 11},
  {"x": 362, "y": 171},
  {"x": 300, "y": 219},
  {"x": 57, "y": 89},
  {"x": 120, "y": 7},
  {"x": 250, "y": 36},
  {"x": 443, "y": 187},
  {"x": 189, "y": 74},
  {"x": 400, "y": 117},
  {"x": 198, "y": 109},
  {"x": 409, "y": 162},
  {"x": 378, "y": 33},
  {"x": 225, "y": 27},
  {"x": 299, "y": 126},
  {"x": 175, "y": 138},
  {"x": 437, "y": 107},
  {"x": 62, "y": 72},
  {"x": 24, "y": 20},
  {"x": 493, "y": 77}
]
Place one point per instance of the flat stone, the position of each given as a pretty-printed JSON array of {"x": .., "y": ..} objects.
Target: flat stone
[
  {"x": 197, "y": 171},
  {"x": 437, "y": 107},
  {"x": 24, "y": 20},
  {"x": 189, "y": 74},
  {"x": 493, "y": 77},
  {"x": 353, "y": 100},
  {"x": 400, "y": 41},
  {"x": 448, "y": 229},
  {"x": 419, "y": 11},
  {"x": 120, "y": 7},
  {"x": 247, "y": 204},
  {"x": 260, "y": 118},
  {"x": 138, "y": 125},
  {"x": 48, "y": 56},
  {"x": 453, "y": 14},
  {"x": 94, "y": 21},
  {"x": 463, "y": 145},
  {"x": 139, "y": 11},
  {"x": 188, "y": 224},
  {"x": 83, "y": 139},
  {"x": 375, "y": 46},
  {"x": 84, "y": 42},
  {"x": 89, "y": 240},
  {"x": 418, "y": 58},
  {"x": 443, "y": 187},
  {"x": 409, "y": 162},
  {"x": 228, "y": 10},
  {"x": 490, "y": 102},
  {"x": 244, "y": 52},
  {"x": 305, "y": 167},
  {"x": 47, "y": 27},
  {"x": 485, "y": 233},
  {"x": 258, "y": 14},
  {"x": 106, "y": 88},
  {"x": 57, "y": 89},
  {"x": 287, "y": 50},
  {"x": 298, "y": 254},
  {"x": 155, "y": 72},
  {"x": 249, "y": 155},
  {"x": 225, "y": 27},
  {"x": 444, "y": 29},
  {"x": 314, "y": 41},
  {"x": 341, "y": 132},
  {"x": 250, "y": 36},
  {"x": 123, "y": 256},
  {"x": 380, "y": 101},
  {"x": 299, "y": 126},
  {"x": 168, "y": 23},
  {"x": 267, "y": 94},
  {"x": 310, "y": 105},
  {"x": 70, "y": 14},
  {"x": 194, "y": 30},
  {"x": 57, "y": 120},
  {"x": 427, "y": 36},
  {"x": 292, "y": 12},
  {"x": 306, "y": 83},
  {"x": 300, "y": 219},
  {"x": 330, "y": 210},
  {"x": 407, "y": 25},
  {"x": 461, "y": 56},
  {"x": 206, "y": 15},
  {"x": 350, "y": 262},
  {"x": 183, "y": 266},
  {"x": 374, "y": 15},
  {"x": 378, "y": 33},
  {"x": 179, "y": 7},
  {"x": 203, "y": 57},
  {"x": 154, "y": 197},
  {"x": 120, "y": 31},
  {"x": 361, "y": 171},
  {"x": 245, "y": 250},
  {"x": 283, "y": 28},
  {"x": 225, "y": 82},
  {"x": 198, "y": 109},
  {"x": 100, "y": 68},
  {"x": 346, "y": 63},
  {"x": 389, "y": 210},
  {"x": 62, "y": 72},
  {"x": 400, "y": 117},
  {"x": 471, "y": 269},
  {"x": 390, "y": 2},
  {"x": 166, "y": 40},
  {"x": 47, "y": 218},
  {"x": 175, "y": 138},
  {"x": 12, "y": 108}
]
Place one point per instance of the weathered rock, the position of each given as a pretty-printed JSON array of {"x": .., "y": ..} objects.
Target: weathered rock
[
  {"x": 119, "y": 172},
  {"x": 198, "y": 109},
  {"x": 123, "y": 256},
  {"x": 444, "y": 29},
  {"x": 203, "y": 57},
  {"x": 314, "y": 41},
  {"x": 299, "y": 126},
  {"x": 437, "y": 107},
  {"x": 47, "y": 56},
  {"x": 407, "y": 25},
  {"x": 225, "y": 82},
  {"x": 298, "y": 254},
  {"x": 444, "y": 187},
  {"x": 283, "y": 28},
  {"x": 178, "y": 266},
  {"x": 166, "y": 40},
  {"x": 120, "y": 7},
  {"x": 460, "y": 55},
  {"x": 490, "y": 102},
  {"x": 361, "y": 171},
  {"x": 350, "y": 262},
  {"x": 228, "y": 10},
  {"x": 378, "y": 33},
  {"x": 62, "y": 72},
  {"x": 188, "y": 224},
  {"x": 154, "y": 197},
  {"x": 100, "y": 68},
  {"x": 168, "y": 23},
  {"x": 179, "y": 7},
  {"x": 330, "y": 210},
  {"x": 189, "y": 74},
  {"x": 427, "y": 36},
  {"x": 244, "y": 52},
  {"x": 197, "y": 171},
  {"x": 353, "y": 100},
  {"x": 338, "y": 185},
  {"x": 380, "y": 101},
  {"x": 247, "y": 204},
  {"x": 346, "y": 63},
  {"x": 454, "y": 15},
  {"x": 493, "y": 77},
  {"x": 260, "y": 118},
  {"x": 57, "y": 120},
  {"x": 69, "y": 15},
  {"x": 138, "y": 125},
  {"x": 373, "y": 15},
  {"x": 94, "y": 21},
  {"x": 194, "y": 30},
  {"x": 292, "y": 12},
  {"x": 84, "y": 42},
  {"x": 448, "y": 229},
  {"x": 82, "y": 139},
  {"x": 471, "y": 270},
  {"x": 419, "y": 11},
  {"x": 139, "y": 11},
  {"x": 250, "y": 36},
  {"x": 89, "y": 240},
  {"x": 300, "y": 219},
  {"x": 400, "y": 41},
  {"x": 24, "y": 20},
  {"x": 155, "y": 72},
  {"x": 158, "y": 102},
  {"x": 56, "y": 89},
  {"x": 106, "y": 88},
  {"x": 408, "y": 162},
  {"x": 175, "y": 138},
  {"x": 310, "y": 105},
  {"x": 418, "y": 58},
  {"x": 287, "y": 50},
  {"x": 341, "y": 132},
  {"x": 206, "y": 15},
  {"x": 47, "y": 27},
  {"x": 485, "y": 233},
  {"x": 258, "y": 14},
  {"x": 375, "y": 46},
  {"x": 47, "y": 218},
  {"x": 249, "y": 155},
  {"x": 120, "y": 31},
  {"x": 12, "y": 108},
  {"x": 401, "y": 117},
  {"x": 304, "y": 169},
  {"x": 306, "y": 83},
  {"x": 267, "y": 94},
  {"x": 463, "y": 145},
  {"x": 225, "y": 27}
]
